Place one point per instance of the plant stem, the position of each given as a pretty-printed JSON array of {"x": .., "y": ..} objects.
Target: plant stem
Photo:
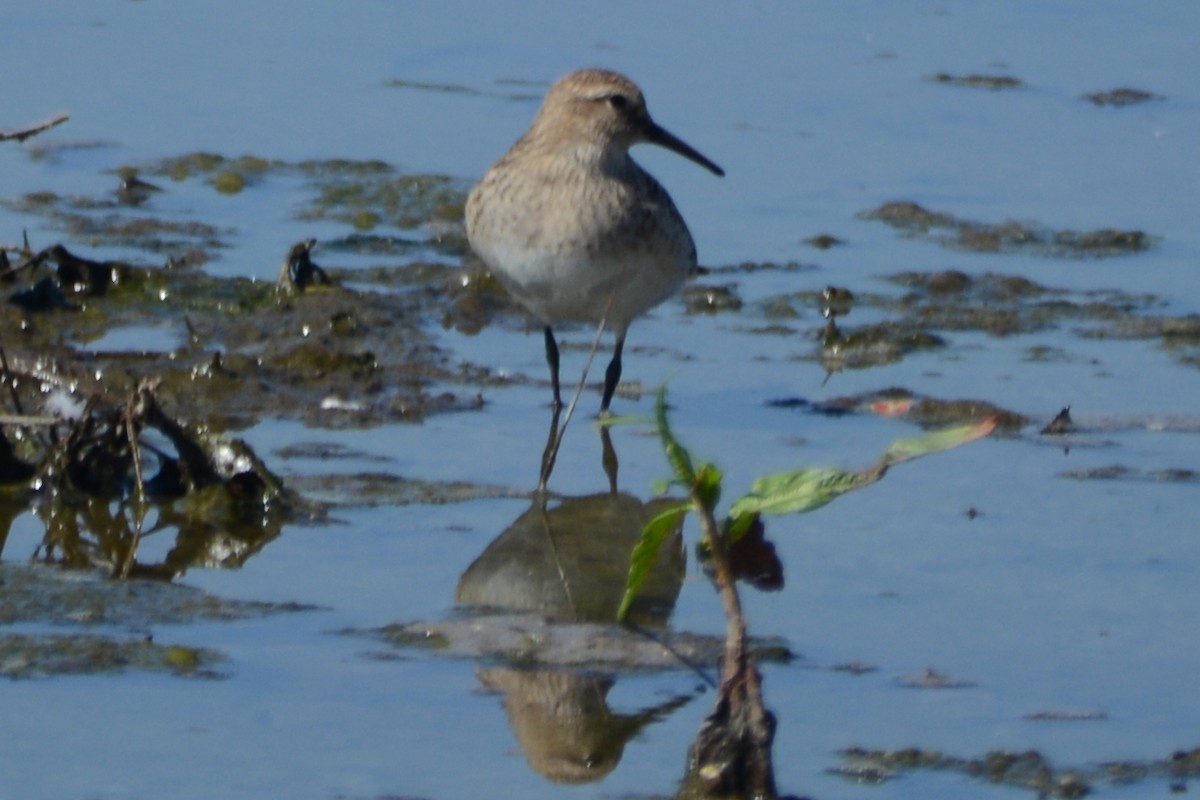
[
  {"x": 732, "y": 753},
  {"x": 735, "y": 621}
]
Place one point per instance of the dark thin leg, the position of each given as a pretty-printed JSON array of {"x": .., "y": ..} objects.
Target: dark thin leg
[
  {"x": 608, "y": 458},
  {"x": 612, "y": 375},
  {"x": 552, "y": 360},
  {"x": 550, "y": 453}
]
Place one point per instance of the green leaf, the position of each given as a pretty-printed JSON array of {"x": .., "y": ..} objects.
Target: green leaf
[
  {"x": 677, "y": 456},
  {"x": 801, "y": 490},
  {"x": 645, "y": 552},
  {"x": 708, "y": 485},
  {"x": 810, "y": 488},
  {"x": 945, "y": 439}
]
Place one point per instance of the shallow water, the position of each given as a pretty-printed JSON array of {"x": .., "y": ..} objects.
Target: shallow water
[{"x": 1062, "y": 594}]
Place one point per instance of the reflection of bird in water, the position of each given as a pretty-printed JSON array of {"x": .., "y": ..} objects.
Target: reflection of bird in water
[
  {"x": 563, "y": 722},
  {"x": 570, "y": 562}
]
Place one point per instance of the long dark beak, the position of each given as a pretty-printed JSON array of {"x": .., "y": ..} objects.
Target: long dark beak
[{"x": 664, "y": 138}]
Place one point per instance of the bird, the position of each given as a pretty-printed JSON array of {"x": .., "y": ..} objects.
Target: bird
[{"x": 572, "y": 227}]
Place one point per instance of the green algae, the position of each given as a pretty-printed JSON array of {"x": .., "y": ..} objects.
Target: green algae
[
  {"x": 710, "y": 299},
  {"x": 1010, "y": 236},
  {"x": 74, "y": 599},
  {"x": 44, "y": 595},
  {"x": 933, "y": 303},
  {"x": 229, "y": 182},
  {"x": 243, "y": 349},
  {"x": 366, "y": 195},
  {"x": 46, "y": 655},
  {"x": 402, "y": 201}
]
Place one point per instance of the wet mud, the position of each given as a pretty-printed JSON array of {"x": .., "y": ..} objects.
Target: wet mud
[{"x": 1029, "y": 770}]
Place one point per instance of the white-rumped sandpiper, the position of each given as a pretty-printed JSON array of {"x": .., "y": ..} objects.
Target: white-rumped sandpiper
[{"x": 570, "y": 224}]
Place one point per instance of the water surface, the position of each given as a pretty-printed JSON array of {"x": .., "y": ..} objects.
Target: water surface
[{"x": 1061, "y": 594}]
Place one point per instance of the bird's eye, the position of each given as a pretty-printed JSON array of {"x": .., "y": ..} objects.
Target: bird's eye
[{"x": 618, "y": 101}]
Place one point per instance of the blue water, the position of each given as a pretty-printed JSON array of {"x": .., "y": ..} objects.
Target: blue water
[{"x": 1063, "y": 594}]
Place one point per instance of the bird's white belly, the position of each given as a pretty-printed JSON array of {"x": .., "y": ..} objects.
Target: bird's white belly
[{"x": 561, "y": 286}]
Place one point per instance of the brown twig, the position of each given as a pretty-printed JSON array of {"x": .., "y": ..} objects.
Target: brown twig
[
  {"x": 139, "y": 502},
  {"x": 33, "y": 130},
  {"x": 735, "y": 631}
]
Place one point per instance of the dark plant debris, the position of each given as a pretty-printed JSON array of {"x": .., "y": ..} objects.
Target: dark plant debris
[
  {"x": 932, "y": 679},
  {"x": 1119, "y": 472},
  {"x": 43, "y": 595},
  {"x": 108, "y": 222},
  {"x": 236, "y": 349},
  {"x": 21, "y": 134},
  {"x": 108, "y": 473},
  {"x": 1028, "y": 770},
  {"x": 89, "y": 427},
  {"x": 299, "y": 270},
  {"x": 978, "y": 81},
  {"x": 366, "y": 194},
  {"x": 901, "y": 403},
  {"x": 1007, "y": 237},
  {"x": 1066, "y": 715},
  {"x": 752, "y": 558},
  {"x": 756, "y": 266},
  {"x": 1121, "y": 97},
  {"x": 823, "y": 241},
  {"x": 707, "y": 299},
  {"x": 1061, "y": 424},
  {"x": 935, "y": 302}
]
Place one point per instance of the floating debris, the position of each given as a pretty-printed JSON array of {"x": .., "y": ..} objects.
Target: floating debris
[
  {"x": 1029, "y": 769},
  {"x": 1120, "y": 472},
  {"x": 1119, "y": 98},
  {"x": 1060, "y": 425},
  {"x": 976, "y": 81},
  {"x": 1066, "y": 715},
  {"x": 932, "y": 679},
  {"x": 700, "y": 299},
  {"x": 823, "y": 241},
  {"x": 299, "y": 270},
  {"x": 1009, "y": 236}
]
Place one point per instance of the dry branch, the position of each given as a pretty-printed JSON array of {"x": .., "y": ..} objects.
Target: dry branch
[{"x": 33, "y": 130}]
